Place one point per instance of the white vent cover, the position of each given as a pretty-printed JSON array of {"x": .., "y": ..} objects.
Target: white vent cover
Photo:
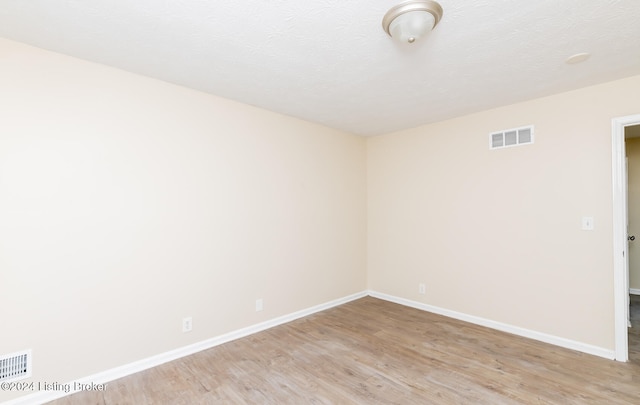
[
  {"x": 511, "y": 137},
  {"x": 15, "y": 366}
]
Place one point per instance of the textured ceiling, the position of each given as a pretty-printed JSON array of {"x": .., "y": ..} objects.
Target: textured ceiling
[{"x": 329, "y": 61}]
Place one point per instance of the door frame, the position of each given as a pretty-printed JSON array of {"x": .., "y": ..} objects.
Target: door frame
[{"x": 620, "y": 246}]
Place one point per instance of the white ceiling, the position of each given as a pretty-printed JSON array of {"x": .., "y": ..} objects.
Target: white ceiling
[{"x": 329, "y": 61}]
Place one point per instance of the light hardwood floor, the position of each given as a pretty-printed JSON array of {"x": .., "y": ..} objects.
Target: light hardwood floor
[
  {"x": 634, "y": 331},
  {"x": 371, "y": 351}
]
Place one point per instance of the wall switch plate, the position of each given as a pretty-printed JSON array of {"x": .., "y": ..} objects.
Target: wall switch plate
[
  {"x": 187, "y": 324},
  {"x": 259, "y": 305},
  {"x": 422, "y": 289},
  {"x": 587, "y": 223}
]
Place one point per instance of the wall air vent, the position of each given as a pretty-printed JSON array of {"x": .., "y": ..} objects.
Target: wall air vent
[
  {"x": 511, "y": 137},
  {"x": 15, "y": 366}
]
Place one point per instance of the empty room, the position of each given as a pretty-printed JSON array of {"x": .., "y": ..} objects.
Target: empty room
[{"x": 328, "y": 202}]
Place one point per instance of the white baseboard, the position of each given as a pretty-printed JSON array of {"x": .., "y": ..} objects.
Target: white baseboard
[
  {"x": 153, "y": 361},
  {"x": 634, "y": 291},
  {"x": 543, "y": 337}
]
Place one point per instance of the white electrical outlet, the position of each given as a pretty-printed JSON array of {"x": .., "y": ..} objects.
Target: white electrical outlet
[
  {"x": 422, "y": 289},
  {"x": 259, "y": 305},
  {"x": 187, "y": 324}
]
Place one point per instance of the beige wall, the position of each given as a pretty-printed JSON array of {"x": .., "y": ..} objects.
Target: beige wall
[
  {"x": 497, "y": 233},
  {"x": 127, "y": 203},
  {"x": 633, "y": 154}
]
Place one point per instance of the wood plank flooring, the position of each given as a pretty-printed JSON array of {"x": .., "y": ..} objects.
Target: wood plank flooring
[
  {"x": 371, "y": 351},
  {"x": 634, "y": 331}
]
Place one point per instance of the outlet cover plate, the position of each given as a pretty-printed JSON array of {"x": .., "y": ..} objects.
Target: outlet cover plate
[{"x": 187, "y": 324}]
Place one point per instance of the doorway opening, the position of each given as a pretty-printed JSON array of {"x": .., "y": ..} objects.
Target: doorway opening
[
  {"x": 620, "y": 235},
  {"x": 632, "y": 148}
]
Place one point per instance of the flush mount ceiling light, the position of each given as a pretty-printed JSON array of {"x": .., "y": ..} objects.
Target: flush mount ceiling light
[
  {"x": 410, "y": 20},
  {"x": 577, "y": 58}
]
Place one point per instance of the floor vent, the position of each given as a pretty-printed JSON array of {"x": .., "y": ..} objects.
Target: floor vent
[
  {"x": 15, "y": 366},
  {"x": 511, "y": 137}
]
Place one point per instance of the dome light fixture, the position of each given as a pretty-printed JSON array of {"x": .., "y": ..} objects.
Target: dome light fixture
[
  {"x": 410, "y": 20},
  {"x": 577, "y": 58}
]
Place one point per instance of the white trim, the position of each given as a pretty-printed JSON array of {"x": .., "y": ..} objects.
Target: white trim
[
  {"x": 620, "y": 287},
  {"x": 153, "y": 361},
  {"x": 543, "y": 337},
  {"x": 634, "y": 291}
]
